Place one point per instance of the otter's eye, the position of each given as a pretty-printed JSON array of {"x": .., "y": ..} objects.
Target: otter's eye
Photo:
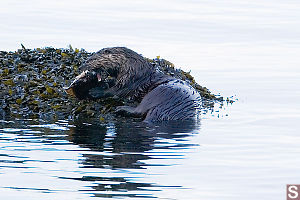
[{"x": 112, "y": 72}]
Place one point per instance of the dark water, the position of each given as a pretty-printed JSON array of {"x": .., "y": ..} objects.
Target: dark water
[{"x": 81, "y": 159}]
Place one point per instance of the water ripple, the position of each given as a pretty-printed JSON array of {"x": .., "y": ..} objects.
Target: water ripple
[{"x": 100, "y": 160}]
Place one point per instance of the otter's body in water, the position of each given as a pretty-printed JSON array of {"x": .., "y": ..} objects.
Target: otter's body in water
[{"x": 122, "y": 72}]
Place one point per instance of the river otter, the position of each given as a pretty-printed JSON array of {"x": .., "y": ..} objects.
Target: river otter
[{"x": 122, "y": 72}]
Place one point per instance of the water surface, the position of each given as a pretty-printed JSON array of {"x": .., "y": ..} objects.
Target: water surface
[{"x": 81, "y": 160}]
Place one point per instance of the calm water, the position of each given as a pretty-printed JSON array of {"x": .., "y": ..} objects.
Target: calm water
[{"x": 247, "y": 150}]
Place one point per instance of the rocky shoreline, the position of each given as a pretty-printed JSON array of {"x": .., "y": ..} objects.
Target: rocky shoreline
[{"x": 32, "y": 81}]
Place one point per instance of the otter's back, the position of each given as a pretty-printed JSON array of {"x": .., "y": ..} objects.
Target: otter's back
[{"x": 174, "y": 100}]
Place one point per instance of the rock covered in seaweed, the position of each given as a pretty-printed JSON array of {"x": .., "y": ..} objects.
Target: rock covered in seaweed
[{"x": 32, "y": 81}]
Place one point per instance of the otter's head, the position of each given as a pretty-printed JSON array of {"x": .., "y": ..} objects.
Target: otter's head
[{"x": 115, "y": 67}]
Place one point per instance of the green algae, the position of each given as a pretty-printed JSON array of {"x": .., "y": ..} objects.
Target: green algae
[{"x": 32, "y": 81}]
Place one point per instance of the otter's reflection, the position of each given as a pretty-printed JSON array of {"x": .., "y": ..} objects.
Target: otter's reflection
[{"x": 126, "y": 145}]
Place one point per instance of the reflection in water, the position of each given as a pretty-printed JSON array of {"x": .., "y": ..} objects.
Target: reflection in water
[
  {"x": 126, "y": 141},
  {"x": 110, "y": 159},
  {"x": 124, "y": 146}
]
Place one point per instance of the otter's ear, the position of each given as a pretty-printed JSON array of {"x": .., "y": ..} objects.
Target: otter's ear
[{"x": 107, "y": 51}]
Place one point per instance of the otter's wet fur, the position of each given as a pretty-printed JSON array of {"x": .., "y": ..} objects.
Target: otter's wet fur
[{"x": 121, "y": 72}]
